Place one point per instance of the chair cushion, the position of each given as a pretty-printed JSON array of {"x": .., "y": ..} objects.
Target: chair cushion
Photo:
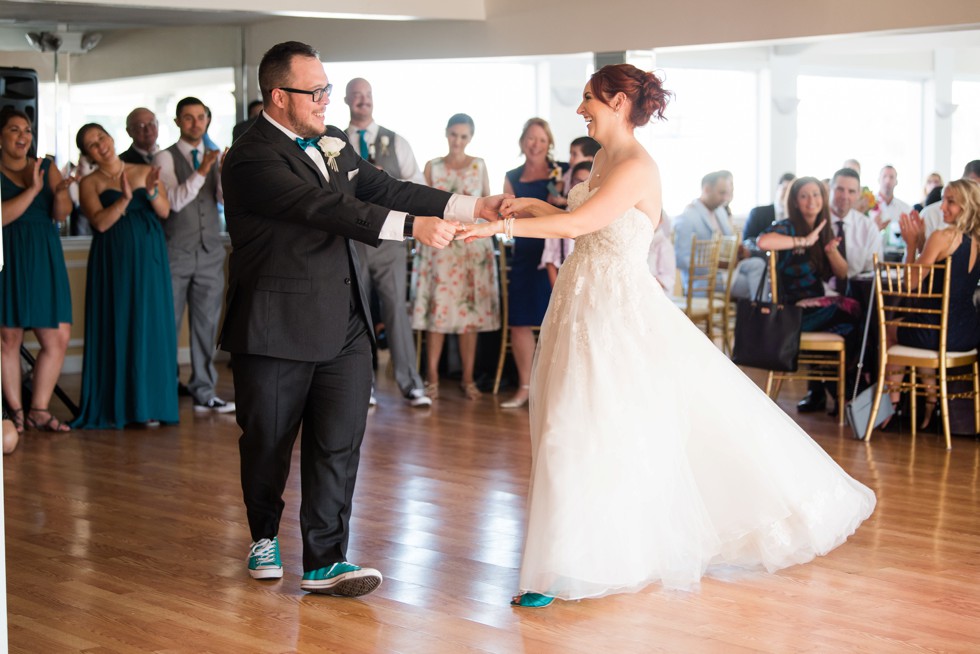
[
  {"x": 820, "y": 337},
  {"x": 922, "y": 353}
]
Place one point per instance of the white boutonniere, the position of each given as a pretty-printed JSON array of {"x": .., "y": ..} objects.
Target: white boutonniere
[
  {"x": 384, "y": 145},
  {"x": 331, "y": 146}
]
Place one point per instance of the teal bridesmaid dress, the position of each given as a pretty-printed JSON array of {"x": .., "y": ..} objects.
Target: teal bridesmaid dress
[
  {"x": 129, "y": 371},
  {"x": 34, "y": 291}
]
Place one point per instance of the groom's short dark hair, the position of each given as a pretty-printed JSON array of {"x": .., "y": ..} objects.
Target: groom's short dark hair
[{"x": 275, "y": 64}]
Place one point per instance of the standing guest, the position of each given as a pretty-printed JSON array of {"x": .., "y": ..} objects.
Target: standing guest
[
  {"x": 34, "y": 280},
  {"x": 705, "y": 218},
  {"x": 582, "y": 149},
  {"x": 528, "y": 287},
  {"x": 457, "y": 286},
  {"x": 254, "y": 109},
  {"x": 143, "y": 128},
  {"x": 385, "y": 264},
  {"x": 556, "y": 250},
  {"x": 297, "y": 320},
  {"x": 189, "y": 171},
  {"x": 635, "y": 479},
  {"x": 810, "y": 257},
  {"x": 130, "y": 359}
]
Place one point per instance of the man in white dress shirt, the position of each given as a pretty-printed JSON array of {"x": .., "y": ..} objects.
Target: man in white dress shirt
[
  {"x": 194, "y": 245},
  {"x": 889, "y": 207},
  {"x": 704, "y": 218},
  {"x": 385, "y": 265}
]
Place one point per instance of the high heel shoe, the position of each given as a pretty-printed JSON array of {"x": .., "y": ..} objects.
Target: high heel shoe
[
  {"x": 17, "y": 417},
  {"x": 51, "y": 424},
  {"x": 517, "y": 402},
  {"x": 471, "y": 391}
]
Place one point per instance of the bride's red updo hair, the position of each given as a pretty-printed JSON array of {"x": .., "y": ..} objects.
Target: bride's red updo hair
[{"x": 645, "y": 90}]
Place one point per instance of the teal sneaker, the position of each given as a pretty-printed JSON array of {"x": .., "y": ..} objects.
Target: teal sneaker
[
  {"x": 342, "y": 578},
  {"x": 263, "y": 559}
]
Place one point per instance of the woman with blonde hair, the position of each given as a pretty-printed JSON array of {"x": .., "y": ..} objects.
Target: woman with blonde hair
[{"x": 959, "y": 242}]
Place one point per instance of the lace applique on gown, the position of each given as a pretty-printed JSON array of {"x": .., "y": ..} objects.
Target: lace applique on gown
[{"x": 655, "y": 457}]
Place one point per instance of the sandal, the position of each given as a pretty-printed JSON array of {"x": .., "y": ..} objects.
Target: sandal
[
  {"x": 532, "y": 600},
  {"x": 17, "y": 417},
  {"x": 471, "y": 391},
  {"x": 51, "y": 424},
  {"x": 432, "y": 390}
]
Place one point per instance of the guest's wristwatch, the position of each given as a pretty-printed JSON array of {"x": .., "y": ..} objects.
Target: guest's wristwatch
[{"x": 409, "y": 226}]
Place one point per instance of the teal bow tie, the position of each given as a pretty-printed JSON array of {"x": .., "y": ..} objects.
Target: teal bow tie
[{"x": 305, "y": 143}]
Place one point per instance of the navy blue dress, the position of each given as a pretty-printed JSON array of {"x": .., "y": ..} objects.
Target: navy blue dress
[
  {"x": 529, "y": 290},
  {"x": 963, "y": 326}
]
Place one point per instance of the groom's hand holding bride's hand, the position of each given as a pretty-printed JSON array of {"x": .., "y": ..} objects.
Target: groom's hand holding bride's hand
[
  {"x": 488, "y": 207},
  {"x": 433, "y": 231}
]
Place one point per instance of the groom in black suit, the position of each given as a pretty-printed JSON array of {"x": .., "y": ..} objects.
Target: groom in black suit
[{"x": 296, "y": 320}]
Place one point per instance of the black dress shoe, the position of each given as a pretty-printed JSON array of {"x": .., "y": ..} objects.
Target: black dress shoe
[
  {"x": 182, "y": 390},
  {"x": 812, "y": 402}
]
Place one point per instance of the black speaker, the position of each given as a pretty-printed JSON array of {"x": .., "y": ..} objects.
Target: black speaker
[{"x": 18, "y": 90}]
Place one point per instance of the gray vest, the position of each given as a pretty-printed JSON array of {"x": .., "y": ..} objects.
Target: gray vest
[
  {"x": 385, "y": 157},
  {"x": 197, "y": 225}
]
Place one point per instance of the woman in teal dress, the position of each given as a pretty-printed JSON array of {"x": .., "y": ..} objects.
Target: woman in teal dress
[
  {"x": 34, "y": 279},
  {"x": 130, "y": 341}
]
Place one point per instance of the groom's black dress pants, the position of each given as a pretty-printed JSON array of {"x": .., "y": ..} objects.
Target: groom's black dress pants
[{"x": 330, "y": 400}]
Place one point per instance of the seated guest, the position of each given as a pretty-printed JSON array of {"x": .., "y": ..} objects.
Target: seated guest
[
  {"x": 704, "y": 218},
  {"x": 858, "y": 235},
  {"x": 809, "y": 258},
  {"x": 34, "y": 281},
  {"x": 932, "y": 215},
  {"x": 130, "y": 357},
  {"x": 761, "y": 217},
  {"x": 958, "y": 242}
]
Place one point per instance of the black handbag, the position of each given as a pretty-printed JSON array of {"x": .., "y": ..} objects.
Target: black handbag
[{"x": 767, "y": 335}]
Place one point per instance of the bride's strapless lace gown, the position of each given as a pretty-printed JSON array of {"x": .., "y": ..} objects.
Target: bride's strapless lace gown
[{"x": 654, "y": 457}]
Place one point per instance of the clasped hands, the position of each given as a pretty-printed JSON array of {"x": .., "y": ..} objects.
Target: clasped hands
[
  {"x": 507, "y": 207},
  {"x": 438, "y": 233}
]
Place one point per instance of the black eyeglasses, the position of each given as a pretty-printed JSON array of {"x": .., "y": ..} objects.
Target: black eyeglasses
[{"x": 316, "y": 93}]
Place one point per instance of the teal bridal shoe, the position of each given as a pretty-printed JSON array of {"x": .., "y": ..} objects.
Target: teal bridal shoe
[{"x": 532, "y": 600}]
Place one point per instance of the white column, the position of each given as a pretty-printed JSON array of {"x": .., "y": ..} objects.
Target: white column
[
  {"x": 777, "y": 111},
  {"x": 937, "y": 117}
]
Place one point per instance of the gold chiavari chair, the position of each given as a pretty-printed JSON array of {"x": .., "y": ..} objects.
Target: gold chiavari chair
[
  {"x": 822, "y": 356},
  {"x": 906, "y": 293},
  {"x": 702, "y": 278},
  {"x": 723, "y": 311}
]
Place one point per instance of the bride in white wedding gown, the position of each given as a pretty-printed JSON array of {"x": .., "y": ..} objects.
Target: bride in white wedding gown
[{"x": 655, "y": 459}]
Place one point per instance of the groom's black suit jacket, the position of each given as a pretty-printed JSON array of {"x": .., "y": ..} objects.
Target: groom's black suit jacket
[{"x": 290, "y": 270}]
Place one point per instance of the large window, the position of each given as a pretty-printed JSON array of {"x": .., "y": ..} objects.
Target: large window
[
  {"x": 712, "y": 124},
  {"x": 876, "y": 121},
  {"x": 966, "y": 127}
]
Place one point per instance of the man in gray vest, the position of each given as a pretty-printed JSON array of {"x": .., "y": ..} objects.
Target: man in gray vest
[
  {"x": 385, "y": 265},
  {"x": 194, "y": 245}
]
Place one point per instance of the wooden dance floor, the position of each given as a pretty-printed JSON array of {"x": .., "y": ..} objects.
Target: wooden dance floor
[{"x": 135, "y": 541}]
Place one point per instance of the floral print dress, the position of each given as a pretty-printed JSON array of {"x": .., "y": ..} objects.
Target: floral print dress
[{"x": 457, "y": 288}]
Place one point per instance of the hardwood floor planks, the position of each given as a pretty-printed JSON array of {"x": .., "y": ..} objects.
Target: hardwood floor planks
[{"x": 135, "y": 541}]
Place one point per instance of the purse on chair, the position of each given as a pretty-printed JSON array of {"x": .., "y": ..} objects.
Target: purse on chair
[
  {"x": 858, "y": 410},
  {"x": 767, "y": 334}
]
